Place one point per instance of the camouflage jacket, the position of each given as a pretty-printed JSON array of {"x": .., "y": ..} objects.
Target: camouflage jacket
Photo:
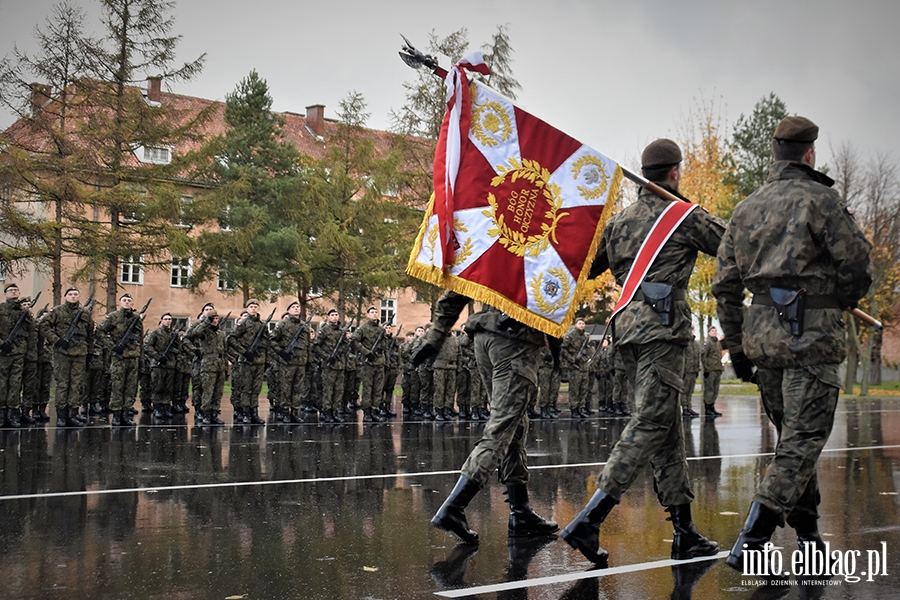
[
  {"x": 364, "y": 341},
  {"x": 692, "y": 357},
  {"x": 209, "y": 341},
  {"x": 575, "y": 352},
  {"x": 793, "y": 232},
  {"x": 325, "y": 343},
  {"x": 156, "y": 343},
  {"x": 466, "y": 352},
  {"x": 243, "y": 336},
  {"x": 10, "y": 311},
  {"x": 448, "y": 356},
  {"x": 283, "y": 334},
  {"x": 712, "y": 355},
  {"x": 55, "y": 325},
  {"x": 639, "y": 323},
  {"x": 393, "y": 361},
  {"x": 111, "y": 331}
]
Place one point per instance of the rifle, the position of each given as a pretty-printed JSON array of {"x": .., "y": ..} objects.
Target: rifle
[
  {"x": 43, "y": 311},
  {"x": 63, "y": 343},
  {"x": 222, "y": 321},
  {"x": 288, "y": 352},
  {"x": 252, "y": 352},
  {"x": 16, "y": 332},
  {"x": 164, "y": 357},
  {"x": 129, "y": 333},
  {"x": 584, "y": 344},
  {"x": 394, "y": 339},
  {"x": 371, "y": 353},
  {"x": 337, "y": 347}
]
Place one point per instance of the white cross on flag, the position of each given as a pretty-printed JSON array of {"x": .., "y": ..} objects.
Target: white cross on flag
[{"x": 518, "y": 210}]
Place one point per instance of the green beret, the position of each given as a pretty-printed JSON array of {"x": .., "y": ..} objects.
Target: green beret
[
  {"x": 660, "y": 153},
  {"x": 797, "y": 129},
  {"x": 251, "y": 301}
]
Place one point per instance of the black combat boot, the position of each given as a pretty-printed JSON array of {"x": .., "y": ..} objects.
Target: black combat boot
[
  {"x": 122, "y": 419},
  {"x": 73, "y": 419},
  {"x": 41, "y": 413},
  {"x": 25, "y": 418},
  {"x": 451, "y": 515},
  {"x": 688, "y": 542},
  {"x": 417, "y": 410},
  {"x": 158, "y": 411},
  {"x": 427, "y": 414},
  {"x": 214, "y": 418},
  {"x": 583, "y": 532},
  {"x": 12, "y": 418},
  {"x": 255, "y": 419},
  {"x": 758, "y": 529},
  {"x": 205, "y": 417},
  {"x": 439, "y": 414},
  {"x": 62, "y": 415},
  {"x": 327, "y": 416},
  {"x": 807, "y": 528},
  {"x": 294, "y": 416},
  {"x": 73, "y": 414},
  {"x": 167, "y": 411},
  {"x": 712, "y": 412},
  {"x": 546, "y": 414},
  {"x": 534, "y": 415},
  {"x": 523, "y": 521},
  {"x": 386, "y": 407}
]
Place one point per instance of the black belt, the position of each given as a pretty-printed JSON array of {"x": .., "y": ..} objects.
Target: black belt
[
  {"x": 677, "y": 294},
  {"x": 812, "y": 302}
]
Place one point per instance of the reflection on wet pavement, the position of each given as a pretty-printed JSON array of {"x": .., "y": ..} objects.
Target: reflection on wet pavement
[{"x": 342, "y": 511}]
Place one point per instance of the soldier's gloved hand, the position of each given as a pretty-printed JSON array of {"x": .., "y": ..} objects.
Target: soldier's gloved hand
[
  {"x": 743, "y": 366},
  {"x": 62, "y": 344},
  {"x": 425, "y": 352}
]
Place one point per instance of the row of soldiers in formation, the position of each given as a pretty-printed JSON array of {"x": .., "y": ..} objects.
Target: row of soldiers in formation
[{"x": 98, "y": 368}]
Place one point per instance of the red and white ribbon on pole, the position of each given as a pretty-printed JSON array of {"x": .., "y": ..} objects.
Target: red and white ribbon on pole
[
  {"x": 454, "y": 134},
  {"x": 666, "y": 224}
]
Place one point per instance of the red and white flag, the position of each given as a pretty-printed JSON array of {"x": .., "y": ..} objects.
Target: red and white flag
[{"x": 518, "y": 208}]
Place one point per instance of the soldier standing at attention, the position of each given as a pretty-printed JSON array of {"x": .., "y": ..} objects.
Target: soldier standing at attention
[
  {"x": 651, "y": 339},
  {"x": 409, "y": 382},
  {"x": 508, "y": 354},
  {"x": 161, "y": 349},
  {"x": 12, "y": 354},
  {"x": 795, "y": 245},
  {"x": 209, "y": 342},
  {"x": 125, "y": 354},
  {"x": 330, "y": 349},
  {"x": 691, "y": 370},
  {"x": 575, "y": 354},
  {"x": 249, "y": 371},
  {"x": 370, "y": 344},
  {"x": 194, "y": 353},
  {"x": 445, "y": 363},
  {"x": 712, "y": 372},
  {"x": 69, "y": 357},
  {"x": 291, "y": 365}
]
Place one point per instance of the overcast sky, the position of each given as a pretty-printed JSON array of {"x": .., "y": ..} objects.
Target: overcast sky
[{"x": 615, "y": 75}]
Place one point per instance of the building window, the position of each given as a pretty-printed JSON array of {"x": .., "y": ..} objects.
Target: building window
[
  {"x": 132, "y": 270},
  {"x": 157, "y": 155},
  {"x": 183, "y": 211},
  {"x": 180, "y": 323},
  {"x": 223, "y": 284},
  {"x": 314, "y": 292},
  {"x": 388, "y": 310},
  {"x": 181, "y": 271}
]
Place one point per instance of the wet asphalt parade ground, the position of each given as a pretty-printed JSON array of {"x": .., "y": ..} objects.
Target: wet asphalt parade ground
[{"x": 319, "y": 511}]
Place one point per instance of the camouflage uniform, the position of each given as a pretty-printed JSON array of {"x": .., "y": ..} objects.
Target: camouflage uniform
[
  {"x": 209, "y": 341},
  {"x": 163, "y": 370},
  {"x": 508, "y": 354},
  {"x": 324, "y": 347},
  {"x": 68, "y": 363},
  {"x": 292, "y": 371},
  {"x": 796, "y": 233},
  {"x": 248, "y": 375},
  {"x": 38, "y": 372},
  {"x": 410, "y": 381},
  {"x": 604, "y": 378},
  {"x": 192, "y": 354},
  {"x": 372, "y": 359},
  {"x": 622, "y": 387},
  {"x": 445, "y": 365},
  {"x": 575, "y": 353},
  {"x": 183, "y": 362},
  {"x": 548, "y": 383},
  {"x": 712, "y": 369},
  {"x": 464, "y": 374},
  {"x": 653, "y": 354},
  {"x": 391, "y": 371},
  {"x": 691, "y": 370},
  {"x": 124, "y": 367},
  {"x": 12, "y": 363}
]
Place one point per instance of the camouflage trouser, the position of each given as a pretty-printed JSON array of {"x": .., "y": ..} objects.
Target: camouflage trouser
[
  {"x": 477, "y": 396},
  {"x": 548, "y": 385},
  {"x": 238, "y": 383},
  {"x": 800, "y": 403},
  {"x": 273, "y": 378},
  {"x": 252, "y": 387},
  {"x": 351, "y": 387},
  {"x": 387, "y": 390},
  {"x": 182, "y": 385},
  {"x": 463, "y": 392},
  {"x": 213, "y": 383},
  {"x": 410, "y": 385},
  {"x": 36, "y": 377},
  {"x": 604, "y": 391},
  {"x": 654, "y": 434},
  {"x": 197, "y": 384},
  {"x": 93, "y": 386},
  {"x": 623, "y": 389},
  {"x": 68, "y": 377},
  {"x": 372, "y": 379},
  {"x": 579, "y": 386},
  {"x": 687, "y": 390},
  {"x": 509, "y": 369},
  {"x": 444, "y": 388},
  {"x": 11, "y": 368},
  {"x": 711, "y": 381},
  {"x": 332, "y": 388},
  {"x": 123, "y": 382},
  {"x": 290, "y": 385},
  {"x": 163, "y": 382},
  {"x": 426, "y": 386}
]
